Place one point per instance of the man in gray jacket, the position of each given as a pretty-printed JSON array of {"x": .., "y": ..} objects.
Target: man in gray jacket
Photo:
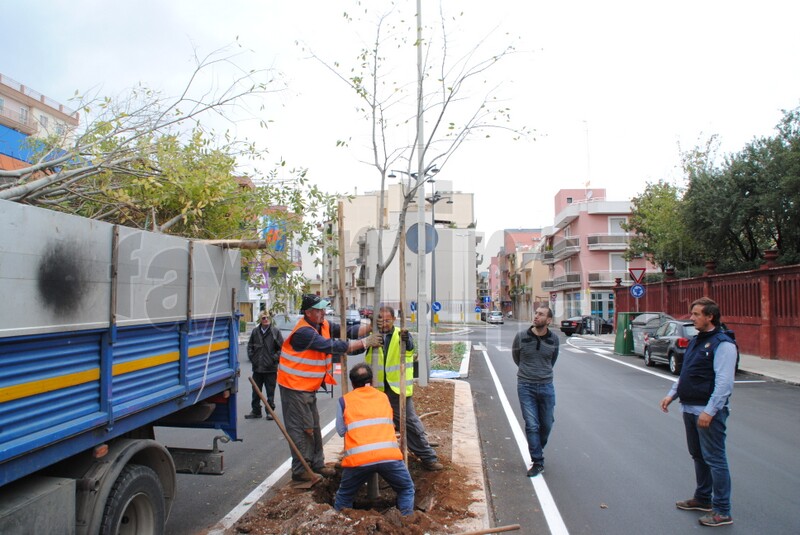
[
  {"x": 264, "y": 351},
  {"x": 535, "y": 351}
]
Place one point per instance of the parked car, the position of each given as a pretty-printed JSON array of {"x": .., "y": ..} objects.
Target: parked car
[
  {"x": 329, "y": 311},
  {"x": 668, "y": 344},
  {"x": 495, "y": 316},
  {"x": 585, "y": 325},
  {"x": 366, "y": 312},
  {"x": 352, "y": 317},
  {"x": 644, "y": 324}
]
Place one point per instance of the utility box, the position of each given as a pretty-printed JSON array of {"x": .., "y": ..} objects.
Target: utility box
[{"x": 623, "y": 343}]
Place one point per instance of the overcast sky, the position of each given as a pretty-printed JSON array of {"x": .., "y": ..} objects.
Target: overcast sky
[{"x": 614, "y": 89}]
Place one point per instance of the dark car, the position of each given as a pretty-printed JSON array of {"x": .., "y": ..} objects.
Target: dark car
[
  {"x": 668, "y": 344},
  {"x": 585, "y": 325}
]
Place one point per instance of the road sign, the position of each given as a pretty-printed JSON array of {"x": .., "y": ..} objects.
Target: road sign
[
  {"x": 637, "y": 274},
  {"x": 637, "y": 291},
  {"x": 477, "y": 309},
  {"x": 487, "y": 299},
  {"x": 436, "y": 306},
  {"x": 431, "y": 238},
  {"x": 413, "y": 306}
]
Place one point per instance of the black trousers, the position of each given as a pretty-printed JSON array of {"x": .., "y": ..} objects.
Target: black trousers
[{"x": 268, "y": 380}]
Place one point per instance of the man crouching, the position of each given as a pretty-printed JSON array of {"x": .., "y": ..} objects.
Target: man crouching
[{"x": 364, "y": 419}]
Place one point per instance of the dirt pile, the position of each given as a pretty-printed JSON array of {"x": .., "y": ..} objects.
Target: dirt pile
[{"x": 442, "y": 498}]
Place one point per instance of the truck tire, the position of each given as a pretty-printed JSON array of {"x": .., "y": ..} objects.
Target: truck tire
[{"x": 135, "y": 504}]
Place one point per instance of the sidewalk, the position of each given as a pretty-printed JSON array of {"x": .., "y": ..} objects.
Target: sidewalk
[{"x": 780, "y": 370}]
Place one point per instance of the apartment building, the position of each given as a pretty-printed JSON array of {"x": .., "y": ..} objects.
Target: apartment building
[
  {"x": 451, "y": 269},
  {"x": 24, "y": 114},
  {"x": 585, "y": 253}
]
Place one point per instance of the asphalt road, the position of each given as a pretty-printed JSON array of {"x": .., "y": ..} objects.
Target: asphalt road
[{"x": 615, "y": 463}]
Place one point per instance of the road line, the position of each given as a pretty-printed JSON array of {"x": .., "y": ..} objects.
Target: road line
[
  {"x": 546, "y": 501},
  {"x": 502, "y": 348},
  {"x": 257, "y": 493}
]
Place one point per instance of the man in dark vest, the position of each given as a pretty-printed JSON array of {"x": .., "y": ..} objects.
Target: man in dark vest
[{"x": 704, "y": 388}]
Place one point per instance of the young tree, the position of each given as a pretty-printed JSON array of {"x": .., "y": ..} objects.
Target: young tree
[{"x": 453, "y": 115}]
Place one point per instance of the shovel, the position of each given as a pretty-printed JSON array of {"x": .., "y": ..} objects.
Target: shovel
[{"x": 297, "y": 484}]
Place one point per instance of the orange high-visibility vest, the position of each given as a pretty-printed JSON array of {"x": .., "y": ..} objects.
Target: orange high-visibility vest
[
  {"x": 305, "y": 370},
  {"x": 370, "y": 434}
]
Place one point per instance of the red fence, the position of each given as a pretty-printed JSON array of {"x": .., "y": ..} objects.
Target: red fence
[{"x": 761, "y": 306}]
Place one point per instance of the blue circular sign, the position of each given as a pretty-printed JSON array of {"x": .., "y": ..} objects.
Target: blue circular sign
[
  {"x": 413, "y": 306},
  {"x": 477, "y": 309},
  {"x": 637, "y": 291},
  {"x": 436, "y": 306}
]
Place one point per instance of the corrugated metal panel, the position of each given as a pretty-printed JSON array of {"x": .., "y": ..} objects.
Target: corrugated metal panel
[{"x": 50, "y": 385}]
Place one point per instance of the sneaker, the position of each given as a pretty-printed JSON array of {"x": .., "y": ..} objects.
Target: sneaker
[
  {"x": 252, "y": 415},
  {"x": 535, "y": 470},
  {"x": 714, "y": 519},
  {"x": 433, "y": 466},
  {"x": 693, "y": 505},
  {"x": 269, "y": 417}
]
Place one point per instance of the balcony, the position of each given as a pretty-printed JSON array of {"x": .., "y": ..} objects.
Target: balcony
[
  {"x": 16, "y": 121},
  {"x": 608, "y": 242},
  {"x": 605, "y": 279},
  {"x": 570, "y": 281},
  {"x": 566, "y": 247}
]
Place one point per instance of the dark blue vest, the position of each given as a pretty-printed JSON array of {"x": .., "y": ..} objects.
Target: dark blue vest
[{"x": 697, "y": 373}]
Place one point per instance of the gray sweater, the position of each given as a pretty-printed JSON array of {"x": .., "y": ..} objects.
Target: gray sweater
[{"x": 535, "y": 356}]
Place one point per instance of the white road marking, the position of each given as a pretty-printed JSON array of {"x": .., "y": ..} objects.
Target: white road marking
[
  {"x": 257, "y": 493},
  {"x": 502, "y": 348},
  {"x": 546, "y": 501}
]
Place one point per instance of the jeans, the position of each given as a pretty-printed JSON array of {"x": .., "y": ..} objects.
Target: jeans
[
  {"x": 538, "y": 403},
  {"x": 394, "y": 472},
  {"x": 707, "y": 448}
]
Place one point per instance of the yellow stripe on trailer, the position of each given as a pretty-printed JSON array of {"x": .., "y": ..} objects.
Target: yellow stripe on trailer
[
  {"x": 50, "y": 384},
  {"x": 202, "y": 350}
]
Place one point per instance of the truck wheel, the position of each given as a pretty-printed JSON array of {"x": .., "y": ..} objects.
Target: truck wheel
[{"x": 135, "y": 504}]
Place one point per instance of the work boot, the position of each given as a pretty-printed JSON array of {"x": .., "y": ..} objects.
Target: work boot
[
  {"x": 432, "y": 466},
  {"x": 252, "y": 415}
]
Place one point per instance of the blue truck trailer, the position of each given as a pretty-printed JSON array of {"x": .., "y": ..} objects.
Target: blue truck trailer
[{"x": 105, "y": 333}]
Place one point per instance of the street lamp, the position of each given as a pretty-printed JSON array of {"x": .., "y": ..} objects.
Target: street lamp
[{"x": 433, "y": 199}]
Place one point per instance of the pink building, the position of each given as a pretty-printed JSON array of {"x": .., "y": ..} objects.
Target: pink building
[
  {"x": 494, "y": 284},
  {"x": 585, "y": 251}
]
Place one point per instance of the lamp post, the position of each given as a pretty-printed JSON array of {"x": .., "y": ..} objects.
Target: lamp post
[{"x": 433, "y": 199}]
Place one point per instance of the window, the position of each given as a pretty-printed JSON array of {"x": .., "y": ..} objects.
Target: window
[
  {"x": 23, "y": 115},
  {"x": 615, "y": 225},
  {"x": 572, "y": 306},
  {"x": 2, "y": 104},
  {"x": 43, "y": 121},
  {"x": 60, "y": 130},
  {"x": 569, "y": 200}
]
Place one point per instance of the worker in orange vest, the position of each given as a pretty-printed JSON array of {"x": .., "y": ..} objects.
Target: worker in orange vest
[
  {"x": 364, "y": 419},
  {"x": 305, "y": 364}
]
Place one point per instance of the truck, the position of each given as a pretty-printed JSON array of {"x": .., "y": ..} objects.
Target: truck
[{"x": 107, "y": 332}]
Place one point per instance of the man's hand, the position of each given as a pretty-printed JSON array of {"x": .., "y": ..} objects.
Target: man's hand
[
  {"x": 665, "y": 403},
  {"x": 373, "y": 340},
  {"x": 704, "y": 420},
  {"x": 404, "y": 335}
]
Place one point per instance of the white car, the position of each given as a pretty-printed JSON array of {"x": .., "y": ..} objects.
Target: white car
[{"x": 494, "y": 316}]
